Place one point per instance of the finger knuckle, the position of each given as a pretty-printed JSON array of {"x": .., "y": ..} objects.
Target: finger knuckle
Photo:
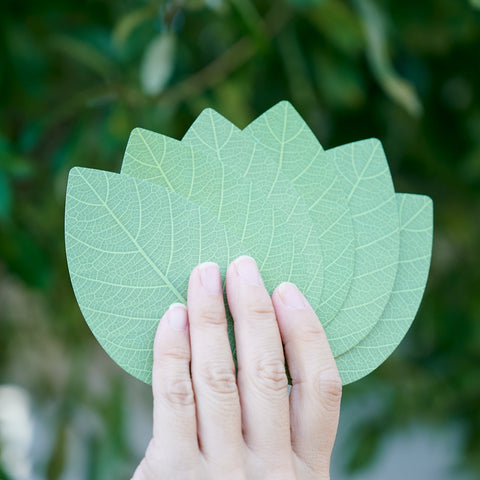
[
  {"x": 211, "y": 317},
  {"x": 260, "y": 311},
  {"x": 175, "y": 353},
  {"x": 169, "y": 359},
  {"x": 179, "y": 392},
  {"x": 220, "y": 380},
  {"x": 328, "y": 388},
  {"x": 312, "y": 334},
  {"x": 271, "y": 376}
]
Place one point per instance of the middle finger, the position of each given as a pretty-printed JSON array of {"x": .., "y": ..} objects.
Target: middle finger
[
  {"x": 213, "y": 371},
  {"x": 262, "y": 380}
]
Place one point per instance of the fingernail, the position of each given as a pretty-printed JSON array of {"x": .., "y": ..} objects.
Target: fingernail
[
  {"x": 177, "y": 316},
  {"x": 247, "y": 270},
  {"x": 210, "y": 278},
  {"x": 291, "y": 296}
]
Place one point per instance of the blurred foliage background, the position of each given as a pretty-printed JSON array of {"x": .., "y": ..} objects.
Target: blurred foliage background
[{"x": 76, "y": 78}]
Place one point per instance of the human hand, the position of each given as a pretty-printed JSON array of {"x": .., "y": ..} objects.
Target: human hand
[{"x": 208, "y": 424}]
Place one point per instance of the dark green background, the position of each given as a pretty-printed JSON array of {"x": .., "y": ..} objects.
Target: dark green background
[{"x": 406, "y": 72}]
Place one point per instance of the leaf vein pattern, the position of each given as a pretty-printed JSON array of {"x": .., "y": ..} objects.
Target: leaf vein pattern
[
  {"x": 280, "y": 161},
  {"x": 115, "y": 284},
  {"x": 360, "y": 177},
  {"x": 305, "y": 170},
  {"x": 155, "y": 159},
  {"x": 271, "y": 240},
  {"x": 140, "y": 249},
  {"x": 248, "y": 212}
]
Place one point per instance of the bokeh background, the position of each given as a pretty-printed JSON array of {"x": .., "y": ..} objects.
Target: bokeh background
[{"x": 77, "y": 77}]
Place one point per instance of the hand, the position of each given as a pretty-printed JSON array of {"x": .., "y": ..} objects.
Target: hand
[{"x": 208, "y": 424}]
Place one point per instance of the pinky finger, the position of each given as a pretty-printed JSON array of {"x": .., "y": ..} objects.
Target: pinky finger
[
  {"x": 316, "y": 391},
  {"x": 174, "y": 418}
]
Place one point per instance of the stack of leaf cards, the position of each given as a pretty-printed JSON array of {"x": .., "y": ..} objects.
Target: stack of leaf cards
[{"x": 327, "y": 220}]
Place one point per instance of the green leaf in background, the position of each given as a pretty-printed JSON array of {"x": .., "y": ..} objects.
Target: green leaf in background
[
  {"x": 216, "y": 136},
  {"x": 416, "y": 232},
  {"x": 296, "y": 150},
  {"x": 398, "y": 88},
  {"x": 158, "y": 63},
  {"x": 236, "y": 202},
  {"x": 131, "y": 246},
  {"x": 363, "y": 170},
  {"x": 5, "y": 196},
  {"x": 84, "y": 53},
  {"x": 129, "y": 22}
]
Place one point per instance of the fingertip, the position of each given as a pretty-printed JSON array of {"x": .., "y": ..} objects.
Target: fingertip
[
  {"x": 174, "y": 319},
  {"x": 289, "y": 296},
  {"x": 171, "y": 340},
  {"x": 177, "y": 316},
  {"x": 275, "y": 294},
  {"x": 230, "y": 269},
  {"x": 230, "y": 275},
  {"x": 246, "y": 270}
]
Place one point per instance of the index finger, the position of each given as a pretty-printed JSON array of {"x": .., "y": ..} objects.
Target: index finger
[{"x": 316, "y": 384}]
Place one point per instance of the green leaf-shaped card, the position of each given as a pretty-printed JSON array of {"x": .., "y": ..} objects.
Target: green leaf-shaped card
[
  {"x": 299, "y": 155},
  {"x": 131, "y": 246},
  {"x": 328, "y": 221},
  {"x": 264, "y": 227}
]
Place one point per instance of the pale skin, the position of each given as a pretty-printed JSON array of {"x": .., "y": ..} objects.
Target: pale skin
[{"x": 210, "y": 423}]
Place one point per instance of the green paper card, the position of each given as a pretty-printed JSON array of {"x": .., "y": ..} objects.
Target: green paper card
[
  {"x": 224, "y": 141},
  {"x": 367, "y": 182},
  {"x": 359, "y": 188},
  {"x": 299, "y": 155},
  {"x": 416, "y": 231},
  {"x": 262, "y": 226},
  {"x": 328, "y": 221},
  {"x": 131, "y": 246}
]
